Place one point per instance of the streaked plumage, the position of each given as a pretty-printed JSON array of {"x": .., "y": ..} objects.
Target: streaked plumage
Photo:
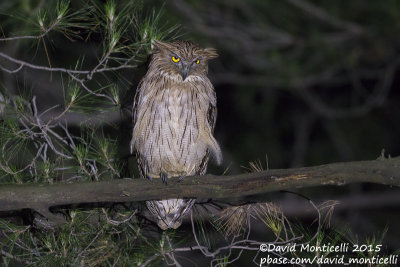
[{"x": 174, "y": 119}]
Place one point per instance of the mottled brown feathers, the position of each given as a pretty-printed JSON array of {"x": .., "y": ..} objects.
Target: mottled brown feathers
[
  {"x": 174, "y": 119},
  {"x": 185, "y": 48}
]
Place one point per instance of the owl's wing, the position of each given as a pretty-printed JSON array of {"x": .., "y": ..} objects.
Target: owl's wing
[
  {"x": 140, "y": 160},
  {"x": 211, "y": 119},
  {"x": 212, "y": 116},
  {"x": 136, "y": 101},
  {"x": 142, "y": 166},
  {"x": 134, "y": 112}
]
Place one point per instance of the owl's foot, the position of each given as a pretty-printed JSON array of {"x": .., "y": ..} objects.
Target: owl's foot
[
  {"x": 148, "y": 177},
  {"x": 181, "y": 177},
  {"x": 164, "y": 177}
]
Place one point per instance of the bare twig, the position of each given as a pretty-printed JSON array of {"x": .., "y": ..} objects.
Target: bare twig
[
  {"x": 149, "y": 260},
  {"x": 375, "y": 99},
  {"x": 22, "y": 63},
  {"x": 324, "y": 16}
]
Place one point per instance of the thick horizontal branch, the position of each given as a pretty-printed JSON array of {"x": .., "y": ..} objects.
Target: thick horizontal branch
[{"x": 41, "y": 197}]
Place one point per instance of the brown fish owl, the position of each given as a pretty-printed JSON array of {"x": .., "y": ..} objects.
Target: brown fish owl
[{"x": 174, "y": 119}]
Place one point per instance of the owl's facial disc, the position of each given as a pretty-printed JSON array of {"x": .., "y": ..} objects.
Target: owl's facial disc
[{"x": 185, "y": 65}]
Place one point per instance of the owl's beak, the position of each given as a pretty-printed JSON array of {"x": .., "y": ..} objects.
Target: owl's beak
[{"x": 185, "y": 72}]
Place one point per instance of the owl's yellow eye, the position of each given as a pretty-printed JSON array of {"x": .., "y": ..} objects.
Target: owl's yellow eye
[{"x": 175, "y": 59}]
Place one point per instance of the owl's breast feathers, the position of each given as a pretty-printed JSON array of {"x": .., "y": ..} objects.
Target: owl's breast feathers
[{"x": 174, "y": 124}]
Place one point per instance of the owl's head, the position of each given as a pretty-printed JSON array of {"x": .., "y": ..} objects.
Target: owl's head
[{"x": 181, "y": 59}]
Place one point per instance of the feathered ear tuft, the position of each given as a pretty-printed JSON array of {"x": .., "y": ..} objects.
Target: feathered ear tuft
[
  {"x": 158, "y": 45},
  {"x": 210, "y": 53}
]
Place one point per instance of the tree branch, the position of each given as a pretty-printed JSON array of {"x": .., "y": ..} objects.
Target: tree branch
[
  {"x": 41, "y": 197},
  {"x": 324, "y": 16},
  {"x": 22, "y": 63}
]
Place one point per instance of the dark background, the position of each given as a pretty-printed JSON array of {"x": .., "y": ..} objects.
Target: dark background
[{"x": 306, "y": 83}]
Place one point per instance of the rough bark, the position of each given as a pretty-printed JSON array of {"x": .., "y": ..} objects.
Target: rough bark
[{"x": 40, "y": 197}]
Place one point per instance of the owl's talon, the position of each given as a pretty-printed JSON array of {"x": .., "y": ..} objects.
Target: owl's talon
[{"x": 164, "y": 177}]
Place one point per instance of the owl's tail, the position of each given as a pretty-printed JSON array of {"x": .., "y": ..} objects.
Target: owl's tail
[{"x": 169, "y": 213}]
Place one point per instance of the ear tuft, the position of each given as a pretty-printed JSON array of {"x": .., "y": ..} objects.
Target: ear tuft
[
  {"x": 210, "y": 53},
  {"x": 158, "y": 45}
]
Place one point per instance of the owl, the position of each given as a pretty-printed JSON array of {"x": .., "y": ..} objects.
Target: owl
[{"x": 174, "y": 115}]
